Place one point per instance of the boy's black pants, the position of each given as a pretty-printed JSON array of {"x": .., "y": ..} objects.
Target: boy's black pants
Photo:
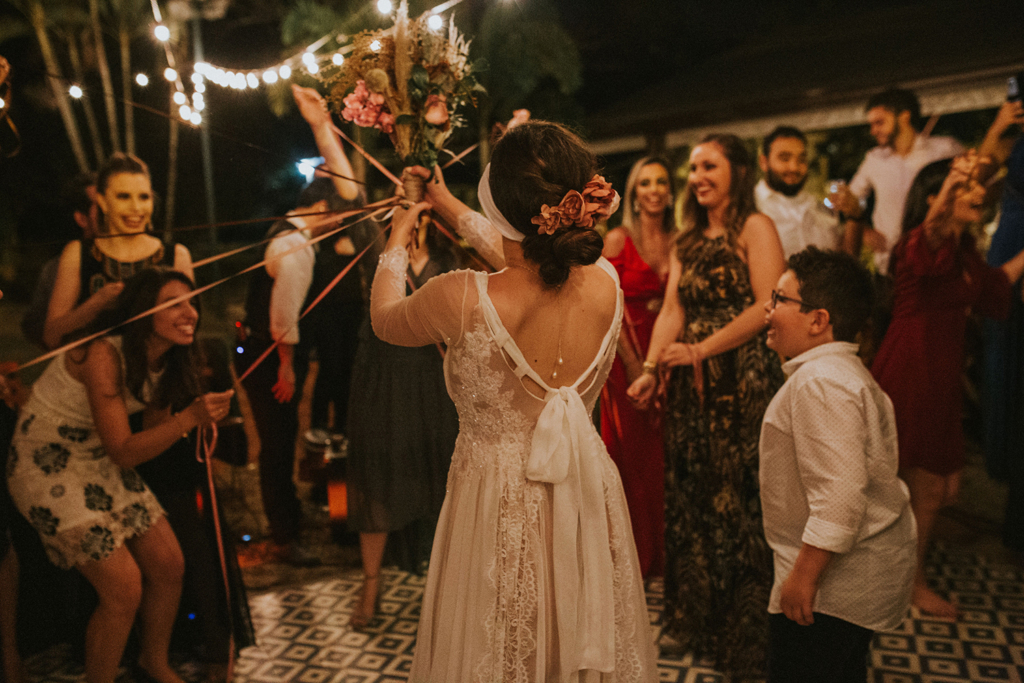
[{"x": 830, "y": 650}]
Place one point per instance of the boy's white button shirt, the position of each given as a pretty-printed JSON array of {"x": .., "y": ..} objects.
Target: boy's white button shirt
[{"x": 828, "y": 473}]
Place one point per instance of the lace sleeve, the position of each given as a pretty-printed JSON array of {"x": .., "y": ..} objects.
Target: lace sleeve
[
  {"x": 483, "y": 237},
  {"x": 432, "y": 314}
]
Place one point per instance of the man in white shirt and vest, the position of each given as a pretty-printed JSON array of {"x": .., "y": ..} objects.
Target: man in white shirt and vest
[
  {"x": 799, "y": 217},
  {"x": 889, "y": 169}
]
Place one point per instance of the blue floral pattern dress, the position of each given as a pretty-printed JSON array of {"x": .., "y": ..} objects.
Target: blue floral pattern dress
[{"x": 82, "y": 504}]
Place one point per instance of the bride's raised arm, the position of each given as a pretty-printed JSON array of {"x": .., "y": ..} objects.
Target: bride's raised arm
[
  {"x": 472, "y": 226},
  {"x": 433, "y": 314}
]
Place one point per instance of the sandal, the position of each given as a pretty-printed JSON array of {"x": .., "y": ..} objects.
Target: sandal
[{"x": 361, "y": 615}]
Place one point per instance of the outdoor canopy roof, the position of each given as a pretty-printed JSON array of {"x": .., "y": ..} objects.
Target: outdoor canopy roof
[{"x": 955, "y": 55}]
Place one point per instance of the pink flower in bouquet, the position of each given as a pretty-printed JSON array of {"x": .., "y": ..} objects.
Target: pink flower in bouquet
[
  {"x": 376, "y": 99},
  {"x": 386, "y": 123},
  {"x": 436, "y": 110}
]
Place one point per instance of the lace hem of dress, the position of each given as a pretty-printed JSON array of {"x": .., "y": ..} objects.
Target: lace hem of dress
[{"x": 98, "y": 540}]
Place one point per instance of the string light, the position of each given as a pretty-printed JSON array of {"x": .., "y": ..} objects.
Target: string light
[
  {"x": 170, "y": 74},
  {"x": 435, "y": 22},
  {"x": 75, "y": 91},
  {"x": 142, "y": 79},
  {"x": 338, "y": 58},
  {"x": 270, "y": 77},
  {"x": 195, "y": 118},
  {"x": 200, "y": 88},
  {"x": 3, "y": 103},
  {"x": 185, "y": 111},
  {"x": 162, "y": 33},
  {"x": 384, "y": 6},
  {"x": 312, "y": 68},
  {"x": 179, "y": 97},
  {"x": 197, "y": 77},
  {"x": 308, "y": 58},
  {"x": 251, "y": 79},
  {"x": 375, "y": 46},
  {"x": 285, "y": 71}
]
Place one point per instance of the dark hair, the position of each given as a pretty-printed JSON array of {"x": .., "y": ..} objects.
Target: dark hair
[
  {"x": 898, "y": 100},
  {"x": 631, "y": 216},
  {"x": 927, "y": 183},
  {"x": 534, "y": 164},
  {"x": 118, "y": 163},
  {"x": 741, "y": 195},
  {"x": 76, "y": 196},
  {"x": 838, "y": 283},
  {"x": 180, "y": 381},
  {"x": 319, "y": 189},
  {"x": 782, "y": 132}
]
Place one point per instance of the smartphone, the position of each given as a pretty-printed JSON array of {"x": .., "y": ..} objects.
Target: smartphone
[{"x": 1013, "y": 86}]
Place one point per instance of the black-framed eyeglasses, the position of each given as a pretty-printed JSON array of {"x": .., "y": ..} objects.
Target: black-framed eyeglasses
[{"x": 776, "y": 298}]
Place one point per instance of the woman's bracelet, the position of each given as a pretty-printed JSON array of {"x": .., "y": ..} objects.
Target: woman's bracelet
[
  {"x": 184, "y": 432},
  {"x": 650, "y": 367}
]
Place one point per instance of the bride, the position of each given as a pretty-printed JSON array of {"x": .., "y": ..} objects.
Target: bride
[{"x": 534, "y": 573}]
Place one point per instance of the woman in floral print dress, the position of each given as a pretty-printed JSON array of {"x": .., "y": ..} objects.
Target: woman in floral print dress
[
  {"x": 70, "y": 467},
  {"x": 710, "y": 334}
]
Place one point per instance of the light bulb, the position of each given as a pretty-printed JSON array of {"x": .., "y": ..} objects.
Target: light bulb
[
  {"x": 375, "y": 46},
  {"x": 285, "y": 71},
  {"x": 179, "y": 97},
  {"x": 312, "y": 68},
  {"x": 308, "y": 58},
  {"x": 170, "y": 74},
  {"x": 384, "y": 6},
  {"x": 162, "y": 33},
  {"x": 435, "y": 22},
  {"x": 3, "y": 103},
  {"x": 270, "y": 76},
  {"x": 185, "y": 111},
  {"x": 197, "y": 78},
  {"x": 198, "y": 105},
  {"x": 252, "y": 81},
  {"x": 75, "y": 91},
  {"x": 195, "y": 118},
  {"x": 142, "y": 79},
  {"x": 200, "y": 87},
  {"x": 338, "y": 58}
]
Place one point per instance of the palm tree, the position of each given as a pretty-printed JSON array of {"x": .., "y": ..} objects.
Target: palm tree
[
  {"x": 35, "y": 11},
  {"x": 104, "y": 69}
]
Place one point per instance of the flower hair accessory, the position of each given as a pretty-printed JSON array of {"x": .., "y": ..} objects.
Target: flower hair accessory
[{"x": 582, "y": 209}]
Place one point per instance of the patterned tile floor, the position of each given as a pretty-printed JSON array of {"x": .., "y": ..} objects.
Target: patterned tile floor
[{"x": 304, "y": 637}]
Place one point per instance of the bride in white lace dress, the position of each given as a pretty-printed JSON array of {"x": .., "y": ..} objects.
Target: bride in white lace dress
[{"x": 534, "y": 573}]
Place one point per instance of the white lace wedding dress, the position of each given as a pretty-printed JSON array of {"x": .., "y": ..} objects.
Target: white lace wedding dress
[{"x": 533, "y": 574}]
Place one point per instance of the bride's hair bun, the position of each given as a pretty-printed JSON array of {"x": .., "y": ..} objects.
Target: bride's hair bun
[{"x": 534, "y": 164}]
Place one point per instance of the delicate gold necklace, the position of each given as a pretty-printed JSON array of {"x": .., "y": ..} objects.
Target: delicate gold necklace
[{"x": 561, "y": 323}]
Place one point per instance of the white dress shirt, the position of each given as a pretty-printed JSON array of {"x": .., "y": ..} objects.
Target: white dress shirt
[
  {"x": 801, "y": 221},
  {"x": 890, "y": 175},
  {"x": 292, "y": 275},
  {"x": 828, "y": 478}
]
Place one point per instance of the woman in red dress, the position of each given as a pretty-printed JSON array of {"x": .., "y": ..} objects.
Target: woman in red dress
[
  {"x": 938, "y": 278},
  {"x": 639, "y": 250}
]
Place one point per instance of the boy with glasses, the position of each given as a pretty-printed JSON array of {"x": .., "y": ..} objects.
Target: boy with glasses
[{"x": 836, "y": 516}]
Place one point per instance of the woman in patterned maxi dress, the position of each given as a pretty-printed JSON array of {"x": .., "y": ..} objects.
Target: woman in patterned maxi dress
[
  {"x": 710, "y": 332},
  {"x": 70, "y": 468},
  {"x": 534, "y": 574}
]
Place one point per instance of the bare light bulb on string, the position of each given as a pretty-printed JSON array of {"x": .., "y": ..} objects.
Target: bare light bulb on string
[
  {"x": 170, "y": 74},
  {"x": 203, "y": 67},
  {"x": 162, "y": 33},
  {"x": 185, "y": 111},
  {"x": 384, "y": 6},
  {"x": 3, "y": 103},
  {"x": 285, "y": 71},
  {"x": 142, "y": 79},
  {"x": 338, "y": 58},
  {"x": 198, "y": 105},
  {"x": 252, "y": 80},
  {"x": 312, "y": 68},
  {"x": 179, "y": 97},
  {"x": 308, "y": 58},
  {"x": 375, "y": 46},
  {"x": 75, "y": 91},
  {"x": 196, "y": 118},
  {"x": 269, "y": 76},
  {"x": 238, "y": 81},
  {"x": 197, "y": 78},
  {"x": 200, "y": 87},
  {"x": 435, "y": 22}
]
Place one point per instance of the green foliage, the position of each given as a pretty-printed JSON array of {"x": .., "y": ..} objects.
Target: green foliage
[{"x": 526, "y": 51}]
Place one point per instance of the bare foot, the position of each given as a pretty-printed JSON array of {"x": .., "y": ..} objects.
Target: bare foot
[
  {"x": 929, "y": 602},
  {"x": 364, "y": 612}
]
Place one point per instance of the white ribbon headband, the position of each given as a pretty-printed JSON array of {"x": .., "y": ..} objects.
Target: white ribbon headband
[{"x": 483, "y": 191}]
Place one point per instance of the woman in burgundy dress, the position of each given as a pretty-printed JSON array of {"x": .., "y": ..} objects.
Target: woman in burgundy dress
[
  {"x": 938, "y": 278},
  {"x": 639, "y": 250}
]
